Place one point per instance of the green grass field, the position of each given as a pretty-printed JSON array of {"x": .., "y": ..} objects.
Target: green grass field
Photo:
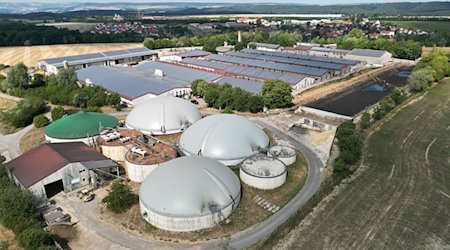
[
  {"x": 424, "y": 25},
  {"x": 402, "y": 199}
]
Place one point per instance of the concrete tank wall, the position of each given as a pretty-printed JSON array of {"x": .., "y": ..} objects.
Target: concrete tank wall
[
  {"x": 137, "y": 172},
  {"x": 115, "y": 153},
  {"x": 186, "y": 224},
  {"x": 262, "y": 182}
]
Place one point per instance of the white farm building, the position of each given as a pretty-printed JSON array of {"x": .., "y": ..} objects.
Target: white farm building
[
  {"x": 227, "y": 138},
  {"x": 189, "y": 194},
  {"x": 163, "y": 115}
]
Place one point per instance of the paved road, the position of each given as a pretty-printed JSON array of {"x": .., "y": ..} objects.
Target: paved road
[
  {"x": 110, "y": 236},
  {"x": 10, "y": 144}
]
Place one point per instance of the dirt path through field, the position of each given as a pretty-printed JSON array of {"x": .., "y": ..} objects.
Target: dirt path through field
[{"x": 399, "y": 201}]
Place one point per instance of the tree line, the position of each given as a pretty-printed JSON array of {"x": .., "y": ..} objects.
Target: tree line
[
  {"x": 274, "y": 94},
  {"x": 211, "y": 41},
  {"x": 410, "y": 50},
  {"x": 432, "y": 68},
  {"x": 61, "y": 89},
  {"x": 17, "y": 213}
]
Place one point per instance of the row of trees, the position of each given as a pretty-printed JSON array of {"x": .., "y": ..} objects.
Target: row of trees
[
  {"x": 17, "y": 213},
  {"x": 274, "y": 94},
  {"x": 22, "y": 115},
  {"x": 18, "y": 34},
  {"x": 431, "y": 68},
  {"x": 350, "y": 143},
  {"x": 355, "y": 39},
  {"x": 61, "y": 89},
  {"x": 211, "y": 41}
]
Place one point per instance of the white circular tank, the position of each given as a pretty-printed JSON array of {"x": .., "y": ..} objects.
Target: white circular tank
[
  {"x": 263, "y": 172},
  {"x": 188, "y": 194},
  {"x": 286, "y": 154}
]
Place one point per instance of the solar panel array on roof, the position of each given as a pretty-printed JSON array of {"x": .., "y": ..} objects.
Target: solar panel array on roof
[
  {"x": 194, "y": 53},
  {"x": 98, "y": 57},
  {"x": 253, "y": 87},
  {"x": 178, "y": 73},
  {"x": 299, "y": 56},
  {"x": 367, "y": 52},
  {"x": 257, "y": 73},
  {"x": 270, "y": 65},
  {"x": 127, "y": 82},
  {"x": 296, "y": 61}
]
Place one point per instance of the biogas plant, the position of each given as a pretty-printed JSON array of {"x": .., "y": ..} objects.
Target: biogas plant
[{"x": 190, "y": 170}]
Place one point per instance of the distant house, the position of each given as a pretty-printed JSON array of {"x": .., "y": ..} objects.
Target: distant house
[
  {"x": 267, "y": 46},
  {"x": 374, "y": 35},
  {"x": 370, "y": 56},
  {"x": 60, "y": 167},
  {"x": 127, "y": 56}
]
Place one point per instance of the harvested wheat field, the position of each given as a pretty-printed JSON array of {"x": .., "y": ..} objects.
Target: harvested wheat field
[{"x": 30, "y": 55}]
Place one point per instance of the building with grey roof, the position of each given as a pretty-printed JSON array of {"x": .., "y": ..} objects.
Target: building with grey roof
[
  {"x": 227, "y": 138},
  {"x": 266, "y": 46},
  {"x": 370, "y": 56},
  {"x": 117, "y": 57},
  {"x": 188, "y": 194},
  {"x": 163, "y": 115},
  {"x": 132, "y": 85},
  {"x": 250, "y": 86}
]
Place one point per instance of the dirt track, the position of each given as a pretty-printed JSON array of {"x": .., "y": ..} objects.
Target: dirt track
[
  {"x": 31, "y": 54},
  {"x": 402, "y": 198}
]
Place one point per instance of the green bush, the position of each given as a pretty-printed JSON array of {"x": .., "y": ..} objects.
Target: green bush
[
  {"x": 22, "y": 115},
  {"x": 57, "y": 112},
  {"x": 227, "y": 110},
  {"x": 40, "y": 121},
  {"x": 276, "y": 94},
  {"x": 33, "y": 238},
  {"x": 120, "y": 198}
]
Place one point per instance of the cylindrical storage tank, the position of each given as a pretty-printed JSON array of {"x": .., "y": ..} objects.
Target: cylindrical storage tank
[
  {"x": 115, "y": 143},
  {"x": 163, "y": 115},
  {"x": 286, "y": 154},
  {"x": 141, "y": 161},
  {"x": 227, "y": 138},
  {"x": 82, "y": 126},
  {"x": 263, "y": 172},
  {"x": 188, "y": 194}
]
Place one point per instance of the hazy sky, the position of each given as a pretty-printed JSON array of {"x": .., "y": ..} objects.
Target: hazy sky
[{"x": 322, "y": 2}]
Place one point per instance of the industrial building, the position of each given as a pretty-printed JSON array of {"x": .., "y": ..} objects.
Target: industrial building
[
  {"x": 145, "y": 81},
  {"x": 52, "y": 168},
  {"x": 263, "y": 172},
  {"x": 144, "y": 158},
  {"x": 117, "y": 57},
  {"x": 82, "y": 126},
  {"x": 115, "y": 143},
  {"x": 163, "y": 115},
  {"x": 188, "y": 194},
  {"x": 370, "y": 56},
  {"x": 188, "y": 54},
  {"x": 227, "y": 138}
]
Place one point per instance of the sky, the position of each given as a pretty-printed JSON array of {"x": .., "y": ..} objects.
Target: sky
[{"x": 321, "y": 2}]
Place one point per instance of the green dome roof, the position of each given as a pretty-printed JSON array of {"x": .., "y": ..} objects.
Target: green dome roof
[{"x": 79, "y": 125}]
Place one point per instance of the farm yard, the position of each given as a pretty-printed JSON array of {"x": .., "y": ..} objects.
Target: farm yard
[
  {"x": 401, "y": 198},
  {"x": 30, "y": 55},
  {"x": 430, "y": 26}
]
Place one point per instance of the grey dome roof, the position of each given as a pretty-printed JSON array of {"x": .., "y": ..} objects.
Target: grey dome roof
[
  {"x": 162, "y": 114},
  {"x": 187, "y": 186},
  {"x": 223, "y": 137}
]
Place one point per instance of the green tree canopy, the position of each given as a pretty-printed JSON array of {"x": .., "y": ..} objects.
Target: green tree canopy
[
  {"x": 120, "y": 198},
  {"x": 276, "y": 94},
  {"x": 67, "y": 76},
  {"x": 17, "y": 77}
]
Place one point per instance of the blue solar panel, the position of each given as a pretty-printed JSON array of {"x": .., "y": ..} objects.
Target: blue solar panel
[
  {"x": 269, "y": 65},
  {"x": 177, "y": 72}
]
